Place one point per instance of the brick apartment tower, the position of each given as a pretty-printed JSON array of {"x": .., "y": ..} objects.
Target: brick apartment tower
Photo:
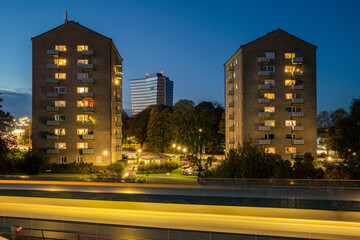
[
  {"x": 77, "y": 92},
  {"x": 270, "y": 95}
]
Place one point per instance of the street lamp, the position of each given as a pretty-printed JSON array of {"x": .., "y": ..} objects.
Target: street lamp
[
  {"x": 105, "y": 153},
  {"x": 184, "y": 149}
]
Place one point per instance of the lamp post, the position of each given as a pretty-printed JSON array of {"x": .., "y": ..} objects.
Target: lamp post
[
  {"x": 200, "y": 131},
  {"x": 105, "y": 154}
]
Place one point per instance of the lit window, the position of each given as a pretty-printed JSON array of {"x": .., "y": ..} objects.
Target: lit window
[
  {"x": 290, "y": 95},
  {"x": 82, "y": 145},
  {"x": 269, "y": 95},
  {"x": 289, "y": 55},
  {"x": 270, "y": 150},
  {"x": 269, "y": 109},
  {"x": 81, "y": 48},
  {"x": 60, "y": 75},
  {"x": 289, "y": 82},
  {"x": 82, "y": 131},
  {"x": 269, "y": 82},
  {"x": 87, "y": 102},
  {"x": 81, "y": 62},
  {"x": 270, "y": 55},
  {"x": 81, "y": 76},
  {"x": 269, "y": 68},
  {"x": 60, "y": 103},
  {"x": 82, "y": 118},
  {"x": 59, "y": 117},
  {"x": 98, "y": 159},
  {"x": 82, "y": 89},
  {"x": 270, "y": 123},
  {"x": 60, "y": 89},
  {"x": 290, "y": 150},
  {"x": 117, "y": 81},
  {"x": 61, "y": 48},
  {"x": 290, "y": 123},
  {"x": 60, "y": 131},
  {"x": 289, "y": 69},
  {"x": 60, "y": 62},
  {"x": 60, "y": 145}
]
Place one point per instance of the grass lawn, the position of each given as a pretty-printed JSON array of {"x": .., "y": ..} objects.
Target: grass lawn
[
  {"x": 79, "y": 175},
  {"x": 174, "y": 173}
]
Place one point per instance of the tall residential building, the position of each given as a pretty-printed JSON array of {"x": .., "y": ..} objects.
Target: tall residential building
[
  {"x": 270, "y": 95},
  {"x": 151, "y": 90},
  {"x": 77, "y": 107}
]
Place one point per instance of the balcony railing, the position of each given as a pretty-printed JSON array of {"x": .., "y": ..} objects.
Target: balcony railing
[
  {"x": 52, "y": 109},
  {"x": 88, "y": 66},
  {"x": 87, "y": 151},
  {"x": 87, "y": 137},
  {"x": 52, "y": 137},
  {"x": 264, "y": 128},
  {"x": 297, "y": 114},
  {"x": 52, "y": 95},
  {"x": 231, "y": 104},
  {"x": 52, "y": 151},
  {"x": 231, "y": 80},
  {"x": 118, "y": 148},
  {"x": 231, "y": 128},
  {"x": 52, "y": 123},
  {"x": 231, "y": 92},
  {"x": 88, "y": 123},
  {"x": 297, "y": 60},
  {"x": 264, "y": 141},
  {"x": 297, "y": 87},
  {"x": 231, "y": 116},
  {"x": 297, "y": 74},
  {"x": 264, "y": 74},
  {"x": 118, "y": 74},
  {"x": 230, "y": 69},
  {"x": 297, "y": 141},
  {"x": 264, "y": 87},
  {"x": 297, "y": 128},
  {"x": 53, "y": 53},
  {"x": 52, "y": 81},
  {"x": 88, "y": 52},
  {"x": 52, "y": 66},
  {"x": 118, "y": 136},
  {"x": 264, "y": 114},
  {"x": 297, "y": 101},
  {"x": 88, "y": 95},
  {"x": 88, "y": 109},
  {"x": 118, "y": 124},
  {"x": 88, "y": 81},
  {"x": 262, "y": 60},
  {"x": 118, "y": 111},
  {"x": 264, "y": 101},
  {"x": 118, "y": 99}
]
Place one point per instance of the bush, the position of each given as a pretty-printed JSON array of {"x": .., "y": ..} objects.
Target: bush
[
  {"x": 307, "y": 167},
  {"x": 117, "y": 167},
  {"x": 34, "y": 162},
  {"x": 82, "y": 168},
  {"x": 167, "y": 166}
]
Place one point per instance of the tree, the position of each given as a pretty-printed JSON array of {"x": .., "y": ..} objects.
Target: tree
[
  {"x": 306, "y": 167},
  {"x": 323, "y": 125},
  {"x": 157, "y": 130},
  {"x": 34, "y": 162}
]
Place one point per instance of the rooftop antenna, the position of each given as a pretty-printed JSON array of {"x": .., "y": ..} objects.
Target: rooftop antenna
[{"x": 66, "y": 17}]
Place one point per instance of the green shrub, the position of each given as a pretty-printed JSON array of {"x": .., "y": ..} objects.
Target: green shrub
[
  {"x": 167, "y": 166},
  {"x": 82, "y": 168}
]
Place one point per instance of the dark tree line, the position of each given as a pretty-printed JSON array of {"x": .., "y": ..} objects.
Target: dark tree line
[{"x": 195, "y": 127}]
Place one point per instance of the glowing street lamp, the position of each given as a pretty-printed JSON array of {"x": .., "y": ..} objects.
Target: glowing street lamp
[
  {"x": 184, "y": 149},
  {"x": 139, "y": 150}
]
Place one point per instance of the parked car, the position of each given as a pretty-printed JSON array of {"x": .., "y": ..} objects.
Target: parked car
[{"x": 124, "y": 156}]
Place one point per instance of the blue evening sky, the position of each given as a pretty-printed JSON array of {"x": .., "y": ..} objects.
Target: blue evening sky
[{"x": 190, "y": 40}]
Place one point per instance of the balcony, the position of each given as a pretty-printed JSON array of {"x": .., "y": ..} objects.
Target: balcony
[
  {"x": 231, "y": 104},
  {"x": 88, "y": 109},
  {"x": 52, "y": 123},
  {"x": 88, "y": 67},
  {"x": 263, "y": 74},
  {"x": 264, "y": 101},
  {"x": 264, "y": 115},
  {"x": 230, "y": 69},
  {"x": 264, "y": 141},
  {"x": 118, "y": 111},
  {"x": 88, "y": 123},
  {"x": 231, "y": 80},
  {"x": 231, "y": 116},
  {"x": 87, "y": 151},
  {"x": 87, "y": 137},
  {"x": 52, "y": 151},
  {"x": 52, "y": 109},
  {"x": 297, "y": 141},
  {"x": 88, "y": 81},
  {"x": 297, "y": 114},
  {"x": 118, "y": 136},
  {"x": 52, "y": 66},
  {"x": 231, "y": 92},
  {"x": 88, "y": 53},
  {"x": 264, "y": 128},
  {"x": 297, "y": 101},
  {"x": 54, "y": 81},
  {"x": 297, "y": 128},
  {"x": 118, "y": 74},
  {"x": 52, "y": 95},
  {"x": 263, "y": 60},
  {"x": 118, "y": 124},
  {"x": 297, "y": 87},
  {"x": 52, "y": 137},
  {"x": 118, "y": 148},
  {"x": 264, "y": 87},
  {"x": 118, "y": 99},
  {"x": 297, "y": 74},
  {"x": 232, "y": 128},
  {"x": 297, "y": 60},
  {"x": 52, "y": 53},
  {"x": 88, "y": 95}
]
